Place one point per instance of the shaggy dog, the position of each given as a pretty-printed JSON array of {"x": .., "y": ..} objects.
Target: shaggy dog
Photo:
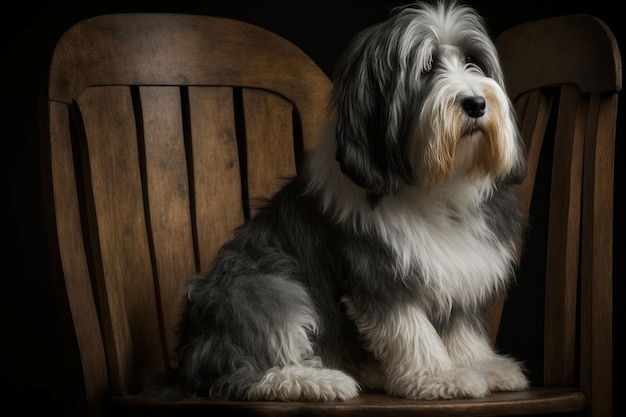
[{"x": 376, "y": 267}]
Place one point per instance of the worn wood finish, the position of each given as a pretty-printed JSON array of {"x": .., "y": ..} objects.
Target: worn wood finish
[
  {"x": 372, "y": 404},
  {"x": 596, "y": 367},
  {"x": 119, "y": 243},
  {"x": 167, "y": 196},
  {"x": 533, "y": 110},
  {"x": 563, "y": 54},
  {"x": 69, "y": 261},
  {"x": 163, "y": 130},
  {"x": 216, "y": 170},
  {"x": 268, "y": 125},
  {"x": 147, "y": 49},
  {"x": 563, "y": 239}
]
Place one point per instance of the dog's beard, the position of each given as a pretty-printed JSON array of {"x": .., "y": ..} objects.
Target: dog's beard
[{"x": 447, "y": 143}]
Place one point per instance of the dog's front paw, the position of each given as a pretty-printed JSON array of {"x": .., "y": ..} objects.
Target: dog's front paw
[
  {"x": 504, "y": 374},
  {"x": 454, "y": 383}
]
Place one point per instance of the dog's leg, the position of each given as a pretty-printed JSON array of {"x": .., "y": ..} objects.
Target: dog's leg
[
  {"x": 297, "y": 373},
  {"x": 414, "y": 359},
  {"x": 468, "y": 346},
  {"x": 251, "y": 339}
]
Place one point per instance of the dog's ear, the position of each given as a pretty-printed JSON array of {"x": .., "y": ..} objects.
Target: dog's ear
[
  {"x": 372, "y": 104},
  {"x": 491, "y": 63},
  {"x": 519, "y": 168}
]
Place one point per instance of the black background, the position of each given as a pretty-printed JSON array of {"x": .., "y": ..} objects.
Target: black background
[{"x": 37, "y": 369}]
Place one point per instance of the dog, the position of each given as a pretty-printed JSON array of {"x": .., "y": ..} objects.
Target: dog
[{"x": 375, "y": 268}]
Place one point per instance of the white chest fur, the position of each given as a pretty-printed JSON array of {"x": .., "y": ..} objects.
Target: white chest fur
[
  {"x": 444, "y": 235},
  {"x": 440, "y": 232}
]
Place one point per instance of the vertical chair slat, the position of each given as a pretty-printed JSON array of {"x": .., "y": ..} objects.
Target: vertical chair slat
[
  {"x": 563, "y": 240},
  {"x": 269, "y": 141},
  {"x": 168, "y": 197},
  {"x": 534, "y": 110},
  {"x": 597, "y": 254},
  {"x": 216, "y": 171},
  {"x": 72, "y": 255},
  {"x": 122, "y": 260}
]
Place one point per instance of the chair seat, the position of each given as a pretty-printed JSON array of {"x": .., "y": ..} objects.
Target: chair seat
[{"x": 533, "y": 401}]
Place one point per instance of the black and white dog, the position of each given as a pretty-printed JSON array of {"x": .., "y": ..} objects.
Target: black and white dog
[{"x": 375, "y": 268}]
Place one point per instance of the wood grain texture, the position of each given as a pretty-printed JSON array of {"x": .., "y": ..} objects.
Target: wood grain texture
[
  {"x": 563, "y": 240},
  {"x": 67, "y": 239},
  {"x": 597, "y": 254},
  {"x": 533, "y": 111},
  {"x": 216, "y": 170},
  {"x": 270, "y": 144},
  {"x": 561, "y": 54},
  {"x": 123, "y": 267},
  {"x": 176, "y": 49},
  {"x": 368, "y": 404},
  {"x": 168, "y": 199}
]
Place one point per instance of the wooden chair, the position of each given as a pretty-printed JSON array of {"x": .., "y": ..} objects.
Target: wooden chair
[
  {"x": 160, "y": 129},
  {"x": 564, "y": 75}
]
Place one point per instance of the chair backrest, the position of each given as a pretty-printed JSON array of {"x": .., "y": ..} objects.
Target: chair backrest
[
  {"x": 564, "y": 75},
  {"x": 163, "y": 130}
]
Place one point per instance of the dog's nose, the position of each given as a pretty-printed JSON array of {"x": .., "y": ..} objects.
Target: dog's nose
[{"x": 474, "y": 106}]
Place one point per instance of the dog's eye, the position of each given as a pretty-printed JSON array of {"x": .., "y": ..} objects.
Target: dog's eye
[
  {"x": 470, "y": 60},
  {"x": 427, "y": 69}
]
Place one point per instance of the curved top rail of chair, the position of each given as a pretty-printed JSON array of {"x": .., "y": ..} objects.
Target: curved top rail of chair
[
  {"x": 104, "y": 58},
  {"x": 562, "y": 40}
]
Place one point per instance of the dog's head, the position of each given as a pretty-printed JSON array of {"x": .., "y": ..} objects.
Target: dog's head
[{"x": 419, "y": 99}]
